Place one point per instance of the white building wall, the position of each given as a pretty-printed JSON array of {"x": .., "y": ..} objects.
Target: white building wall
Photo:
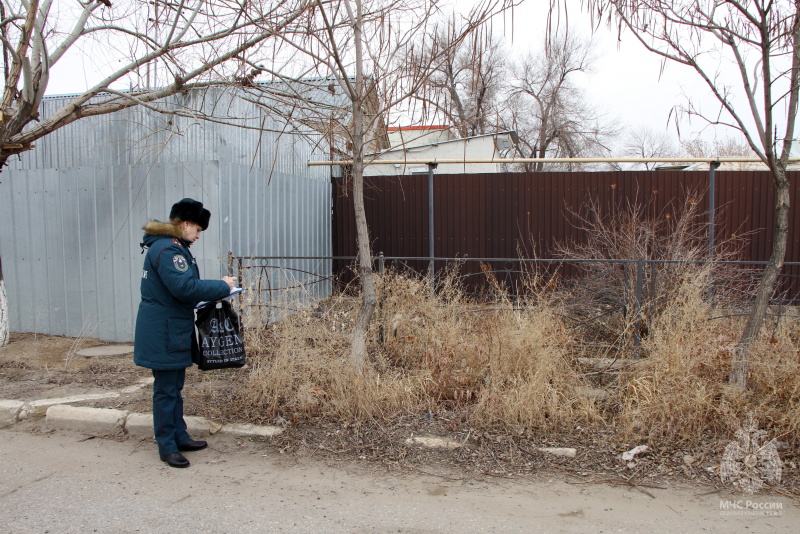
[
  {"x": 483, "y": 147},
  {"x": 417, "y": 137}
]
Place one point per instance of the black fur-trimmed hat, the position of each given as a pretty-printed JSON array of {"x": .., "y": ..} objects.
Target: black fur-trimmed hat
[{"x": 190, "y": 210}]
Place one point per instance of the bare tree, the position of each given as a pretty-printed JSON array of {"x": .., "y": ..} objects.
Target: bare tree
[
  {"x": 155, "y": 49},
  {"x": 727, "y": 147},
  {"x": 468, "y": 85},
  {"x": 645, "y": 142},
  {"x": 478, "y": 89},
  {"x": 359, "y": 46},
  {"x": 761, "y": 38},
  {"x": 700, "y": 148},
  {"x": 548, "y": 111},
  {"x": 179, "y": 46}
]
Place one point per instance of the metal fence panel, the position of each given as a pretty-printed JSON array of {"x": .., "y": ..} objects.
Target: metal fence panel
[
  {"x": 509, "y": 215},
  {"x": 71, "y": 210}
]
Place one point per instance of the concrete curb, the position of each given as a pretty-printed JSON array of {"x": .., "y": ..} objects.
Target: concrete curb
[
  {"x": 250, "y": 430},
  {"x": 9, "y": 412},
  {"x": 99, "y": 421},
  {"x": 12, "y": 411},
  {"x": 59, "y": 413},
  {"x": 434, "y": 442},
  {"x": 102, "y": 421},
  {"x": 139, "y": 424},
  {"x": 567, "y": 452},
  {"x": 106, "y": 351},
  {"x": 200, "y": 426},
  {"x": 38, "y": 408}
]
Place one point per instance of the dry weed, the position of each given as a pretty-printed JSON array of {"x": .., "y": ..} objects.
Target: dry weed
[
  {"x": 671, "y": 244},
  {"x": 511, "y": 365},
  {"x": 774, "y": 381},
  {"x": 679, "y": 394},
  {"x": 505, "y": 366},
  {"x": 530, "y": 382},
  {"x": 432, "y": 335},
  {"x": 299, "y": 369}
]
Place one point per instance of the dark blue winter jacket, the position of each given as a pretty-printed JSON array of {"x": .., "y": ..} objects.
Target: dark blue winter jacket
[{"x": 171, "y": 286}]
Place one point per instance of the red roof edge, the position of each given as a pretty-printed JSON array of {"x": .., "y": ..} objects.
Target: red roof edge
[{"x": 412, "y": 128}]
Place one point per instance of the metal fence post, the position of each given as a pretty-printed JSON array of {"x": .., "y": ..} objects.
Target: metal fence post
[
  {"x": 652, "y": 287},
  {"x": 625, "y": 270},
  {"x": 711, "y": 206},
  {"x": 381, "y": 318},
  {"x": 431, "y": 243},
  {"x": 637, "y": 341}
]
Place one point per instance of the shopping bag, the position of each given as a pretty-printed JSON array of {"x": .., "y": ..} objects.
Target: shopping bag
[{"x": 219, "y": 337}]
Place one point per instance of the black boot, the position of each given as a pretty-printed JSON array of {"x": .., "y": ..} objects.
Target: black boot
[{"x": 175, "y": 459}]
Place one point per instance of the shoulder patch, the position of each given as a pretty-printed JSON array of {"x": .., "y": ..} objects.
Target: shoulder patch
[{"x": 180, "y": 263}]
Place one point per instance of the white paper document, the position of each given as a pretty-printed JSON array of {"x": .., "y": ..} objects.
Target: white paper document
[{"x": 234, "y": 291}]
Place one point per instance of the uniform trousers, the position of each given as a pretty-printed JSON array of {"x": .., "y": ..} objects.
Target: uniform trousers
[{"x": 168, "y": 423}]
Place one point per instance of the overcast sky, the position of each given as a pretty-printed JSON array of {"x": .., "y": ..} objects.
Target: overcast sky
[{"x": 627, "y": 82}]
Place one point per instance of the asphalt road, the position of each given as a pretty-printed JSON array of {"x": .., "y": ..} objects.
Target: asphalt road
[{"x": 61, "y": 482}]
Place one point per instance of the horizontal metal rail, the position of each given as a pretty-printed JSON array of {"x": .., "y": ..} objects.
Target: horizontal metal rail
[
  {"x": 636, "y": 301},
  {"x": 436, "y": 161},
  {"x": 522, "y": 260}
]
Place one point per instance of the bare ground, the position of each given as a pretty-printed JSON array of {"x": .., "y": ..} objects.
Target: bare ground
[{"x": 78, "y": 484}]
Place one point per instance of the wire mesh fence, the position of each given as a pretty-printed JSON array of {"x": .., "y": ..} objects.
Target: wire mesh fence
[{"x": 591, "y": 291}]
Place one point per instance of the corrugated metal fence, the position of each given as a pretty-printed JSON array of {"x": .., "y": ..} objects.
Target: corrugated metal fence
[
  {"x": 71, "y": 210},
  {"x": 512, "y": 215}
]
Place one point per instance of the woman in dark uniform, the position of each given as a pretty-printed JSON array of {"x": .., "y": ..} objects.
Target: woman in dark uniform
[{"x": 164, "y": 340}]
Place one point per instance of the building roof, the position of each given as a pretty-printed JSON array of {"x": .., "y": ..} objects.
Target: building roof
[
  {"x": 399, "y": 148},
  {"x": 417, "y": 128},
  {"x": 738, "y": 166}
]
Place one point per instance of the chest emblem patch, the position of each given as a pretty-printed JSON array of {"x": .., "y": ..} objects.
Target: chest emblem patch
[{"x": 180, "y": 263}]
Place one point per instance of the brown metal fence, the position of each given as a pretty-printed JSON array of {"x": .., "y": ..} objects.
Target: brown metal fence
[{"x": 513, "y": 215}]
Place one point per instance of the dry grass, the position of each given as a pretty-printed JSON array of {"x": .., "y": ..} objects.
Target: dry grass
[
  {"x": 774, "y": 387},
  {"x": 679, "y": 393},
  {"x": 531, "y": 382},
  {"x": 503, "y": 366},
  {"x": 674, "y": 241},
  {"x": 512, "y": 366},
  {"x": 299, "y": 369}
]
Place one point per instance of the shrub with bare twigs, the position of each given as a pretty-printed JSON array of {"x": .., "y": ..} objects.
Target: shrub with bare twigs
[
  {"x": 679, "y": 393},
  {"x": 607, "y": 301}
]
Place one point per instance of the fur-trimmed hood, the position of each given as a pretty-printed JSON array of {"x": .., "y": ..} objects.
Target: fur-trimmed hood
[
  {"x": 161, "y": 229},
  {"x": 155, "y": 230}
]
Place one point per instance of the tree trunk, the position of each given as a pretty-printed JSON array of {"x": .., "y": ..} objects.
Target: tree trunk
[
  {"x": 3, "y": 309},
  {"x": 741, "y": 354},
  {"x": 358, "y": 350}
]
